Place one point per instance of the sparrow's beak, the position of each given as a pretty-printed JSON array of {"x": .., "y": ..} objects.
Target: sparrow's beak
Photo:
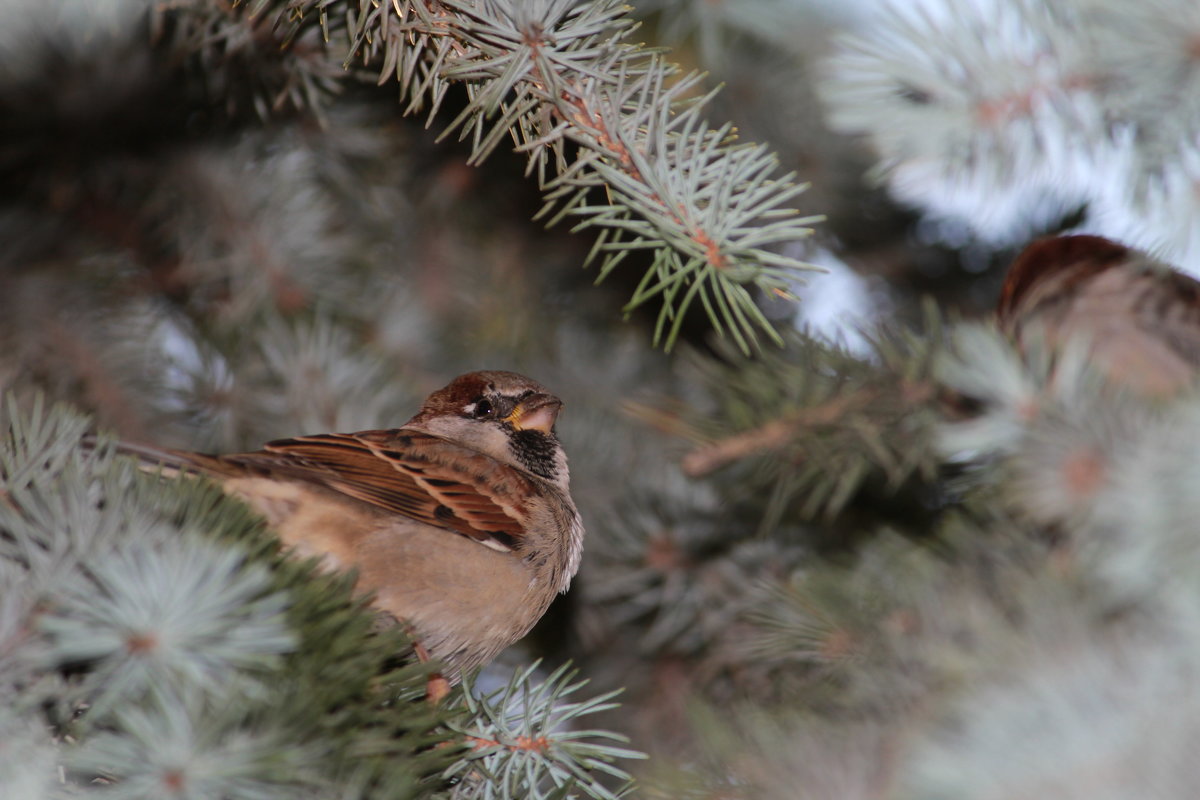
[{"x": 536, "y": 413}]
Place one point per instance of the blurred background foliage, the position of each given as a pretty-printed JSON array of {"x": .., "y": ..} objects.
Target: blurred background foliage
[{"x": 830, "y": 552}]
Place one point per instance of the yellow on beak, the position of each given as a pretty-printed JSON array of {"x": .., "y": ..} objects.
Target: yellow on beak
[{"x": 537, "y": 412}]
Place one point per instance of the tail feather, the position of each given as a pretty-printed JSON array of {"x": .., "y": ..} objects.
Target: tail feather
[{"x": 163, "y": 461}]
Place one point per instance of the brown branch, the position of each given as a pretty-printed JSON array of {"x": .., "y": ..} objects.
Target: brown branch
[
  {"x": 586, "y": 119},
  {"x": 538, "y": 744},
  {"x": 667, "y": 420},
  {"x": 779, "y": 432},
  {"x": 771, "y": 435}
]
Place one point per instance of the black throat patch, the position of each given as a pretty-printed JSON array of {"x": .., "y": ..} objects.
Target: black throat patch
[{"x": 535, "y": 450}]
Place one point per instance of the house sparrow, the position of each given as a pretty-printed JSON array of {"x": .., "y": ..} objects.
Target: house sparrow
[
  {"x": 460, "y": 522},
  {"x": 1142, "y": 317}
]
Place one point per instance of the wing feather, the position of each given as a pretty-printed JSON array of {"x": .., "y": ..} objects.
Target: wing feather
[{"x": 411, "y": 473}]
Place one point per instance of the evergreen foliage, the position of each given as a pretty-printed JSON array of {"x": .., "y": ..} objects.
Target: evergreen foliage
[
  {"x": 559, "y": 79},
  {"x": 1008, "y": 115}
]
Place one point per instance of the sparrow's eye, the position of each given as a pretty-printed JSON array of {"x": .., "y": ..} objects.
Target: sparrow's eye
[{"x": 484, "y": 409}]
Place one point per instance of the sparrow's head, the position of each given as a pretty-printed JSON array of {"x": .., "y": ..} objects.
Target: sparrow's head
[
  {"x": 1054, "y": 266},
  {"x": 501, "y": 414}
]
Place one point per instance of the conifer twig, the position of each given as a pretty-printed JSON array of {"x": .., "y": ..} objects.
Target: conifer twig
[
  {"x": 769, "y": 436},
  {"x": 621, "y": 128}
]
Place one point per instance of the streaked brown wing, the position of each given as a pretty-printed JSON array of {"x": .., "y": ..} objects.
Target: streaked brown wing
[{"x": 405, "y": 472}]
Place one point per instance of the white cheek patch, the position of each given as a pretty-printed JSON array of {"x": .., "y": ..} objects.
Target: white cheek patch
[{"x": 469, "y": 409}]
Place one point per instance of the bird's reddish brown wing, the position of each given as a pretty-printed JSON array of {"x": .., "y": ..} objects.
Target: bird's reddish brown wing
[{"x": 405, "y": 472}]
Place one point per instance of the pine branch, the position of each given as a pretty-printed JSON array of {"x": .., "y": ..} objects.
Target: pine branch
[
  {"x": 559, "y": 79},
  {"x": 771, "y": 435},
  {"x": 819, "y": 424},
  {"x": 526, "y": 745},
  {"x": 248, "y": 58}
]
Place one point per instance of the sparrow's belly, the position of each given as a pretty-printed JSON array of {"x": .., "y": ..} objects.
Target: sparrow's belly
[{"x": 465, "y": 601}]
